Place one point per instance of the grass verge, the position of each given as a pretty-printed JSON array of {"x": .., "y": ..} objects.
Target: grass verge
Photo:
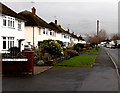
[
  {"x": 92, "y": 51},
  {"x": 79, "y": 61},
  {"x": 86, "y": 60}
]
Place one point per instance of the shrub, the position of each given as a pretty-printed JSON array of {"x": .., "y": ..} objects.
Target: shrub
[
  {"x": 69, "y": 47},
  {"x": 52, "y": 47},
  {"x": 71, "y": 53},
  {"x": 78, "y": 47},
  {"x": 14, "y": 51}
]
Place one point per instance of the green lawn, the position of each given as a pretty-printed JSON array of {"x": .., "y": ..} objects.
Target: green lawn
[
  {"x": 81, "y": 61},
  {"x": 92, "y": 51}
]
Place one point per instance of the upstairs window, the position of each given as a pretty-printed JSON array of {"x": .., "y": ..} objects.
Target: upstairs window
[
  {"x": 51, "y": 33},
  {"x": 9, "y": 22},
  {"x": 19, "y": 25},
  {"x": 4, "y": 21},
  {"x": 44, "y": 31}
]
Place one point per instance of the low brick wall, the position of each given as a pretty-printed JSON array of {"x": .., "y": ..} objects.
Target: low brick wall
[{"x": 19, "y": 65}]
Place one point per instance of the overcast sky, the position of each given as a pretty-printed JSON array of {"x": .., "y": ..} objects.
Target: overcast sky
[{"x": 79, "y": 16}]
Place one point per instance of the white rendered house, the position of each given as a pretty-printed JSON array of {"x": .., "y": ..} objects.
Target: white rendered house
[
  {"x": 36, "y": 29},
  {"x": 11, "y": 29}
]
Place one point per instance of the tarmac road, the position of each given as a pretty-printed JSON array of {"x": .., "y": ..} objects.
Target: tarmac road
[{"x": 115, "y": 54}]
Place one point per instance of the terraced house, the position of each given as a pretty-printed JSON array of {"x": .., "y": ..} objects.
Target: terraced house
[
  {"x": 36, "y": 29},
  {"x": 11, "y": 29},
  {"x": 26, "y": 28},
  {"x": 61, "y": 35}
]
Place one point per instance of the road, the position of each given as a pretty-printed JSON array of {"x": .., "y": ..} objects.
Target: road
[{"x": 115, "y": 53}]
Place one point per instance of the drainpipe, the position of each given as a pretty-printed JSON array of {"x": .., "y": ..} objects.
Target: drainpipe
[{"x": 33, "y": 36}]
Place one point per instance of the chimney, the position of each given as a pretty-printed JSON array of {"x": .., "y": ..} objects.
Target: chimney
[
  {"x": 68, "y": 30},
  {"x": 59, "y": 25},
  {"x": 56, "y": 22},
  {"x": 33, "y": 11}
]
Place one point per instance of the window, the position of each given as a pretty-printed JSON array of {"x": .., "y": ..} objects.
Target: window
[
  {"x": 19, "y": 25},
  {"x": 44, "y": 31},
  {"x": 50, "y": 33},
  {"x": 8, "y": 42},
  {"x": 4, "y": 21},
  {"x": 39, "y": 32},
  {"x": 8, "y": 21},
  {"x": 53, "y": 33},
  {"x": 4, "y": 42}
]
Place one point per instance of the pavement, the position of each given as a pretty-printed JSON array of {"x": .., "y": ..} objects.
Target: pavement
[
  {"x": 101, "y": 77},
  {"x": 40, "y": 69}
]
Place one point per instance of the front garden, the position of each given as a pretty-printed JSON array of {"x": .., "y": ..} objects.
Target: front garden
[
  {"x": 51, "y": 52},
  {"x": 85, "y": 59}
]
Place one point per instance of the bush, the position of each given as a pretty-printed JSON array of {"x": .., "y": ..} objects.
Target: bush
[
  {"x": 78, "y": 47},
  {"x": 52, "y": 47},
  {"x": 72, "y": 53},
  {"x": 69, "y": 47},
  {"x": 14, "y": 51}
]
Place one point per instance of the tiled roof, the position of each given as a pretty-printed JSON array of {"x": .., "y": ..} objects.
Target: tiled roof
[
  {"x": 34, "y": 20},
  {"x": 7, "y": 11},
  {"x": 58, "y": 27}
]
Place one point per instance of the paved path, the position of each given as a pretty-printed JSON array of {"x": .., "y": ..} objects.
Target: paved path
[{"x": 102, "y": 77}]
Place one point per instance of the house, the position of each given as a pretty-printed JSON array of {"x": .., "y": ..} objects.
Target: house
[
  {"x": 36, "y": 29},
  {"x": 61, "y": 34},
  {"x": 11, "y": 29}
]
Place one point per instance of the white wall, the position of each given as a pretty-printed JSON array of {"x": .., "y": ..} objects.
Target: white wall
[
  {"x": 38, "y": 35},
  {"x": 11, "y": 32}
]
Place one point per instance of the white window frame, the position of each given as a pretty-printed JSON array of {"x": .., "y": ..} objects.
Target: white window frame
[
  {"x": 44, "y": 32},
  {"x": 19, "y": 25},
  {"x": 10, "y": 21},
  {"x": 9, "y": 42},
  {"x": 5, "y": 19}
]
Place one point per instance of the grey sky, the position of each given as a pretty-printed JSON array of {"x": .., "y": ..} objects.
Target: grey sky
[{"x": 81, "y": 16}]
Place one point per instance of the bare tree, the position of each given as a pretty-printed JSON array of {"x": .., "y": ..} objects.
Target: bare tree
[{"x": 102, "y": 35}]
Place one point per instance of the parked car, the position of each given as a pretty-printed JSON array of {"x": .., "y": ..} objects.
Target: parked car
[
  {"x": 113, "y": 46},
  {"x": 27, "y": 47}
]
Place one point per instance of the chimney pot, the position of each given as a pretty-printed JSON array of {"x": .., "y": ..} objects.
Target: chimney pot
[
  {"x": 33, "y": 11},
  {"x": 68, "y": 30},
  {"x": 56, "y": 22},
  {"x": 59, "y": 25}
]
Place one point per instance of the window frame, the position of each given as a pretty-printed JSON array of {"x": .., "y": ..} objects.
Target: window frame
[{"x": 19, "y": 25}]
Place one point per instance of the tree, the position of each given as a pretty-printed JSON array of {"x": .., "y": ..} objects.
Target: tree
[{"x": 102, "y": 35}]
